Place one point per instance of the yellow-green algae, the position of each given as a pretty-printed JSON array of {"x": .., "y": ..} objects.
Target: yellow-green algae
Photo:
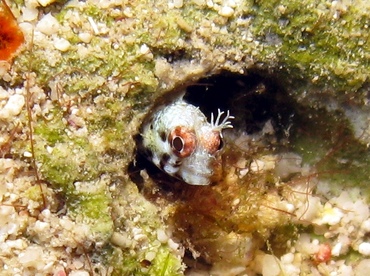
[{"x": 312, "y": 41}]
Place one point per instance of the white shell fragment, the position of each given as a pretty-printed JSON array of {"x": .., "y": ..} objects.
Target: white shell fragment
[
  {"x": 364, "y": 248},
  {"x": 45, "y": 3},
  {"x": 61, "y": 44},
  {"x": 13, "y": 106},
  {"x": 226, "y": 11},
  {"x": 48, "y": 25}
]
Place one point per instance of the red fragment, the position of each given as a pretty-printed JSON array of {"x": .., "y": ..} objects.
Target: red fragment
[
  {"x": 11, "y": 36},
  {"x": 324, "y": 254}
]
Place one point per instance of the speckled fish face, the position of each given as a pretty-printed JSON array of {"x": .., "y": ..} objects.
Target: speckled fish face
[{"x": 179, "y": 140}]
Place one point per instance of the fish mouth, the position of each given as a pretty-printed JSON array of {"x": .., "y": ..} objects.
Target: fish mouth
[
  {"x": 196, "y": 172},
  {"x": 197, "y": 179}
]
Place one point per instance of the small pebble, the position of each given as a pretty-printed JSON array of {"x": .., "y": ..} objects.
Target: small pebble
[
  {"x": 144, "y": 49},
  {"x": 178, "y": 3},
  {"x": 85, "y": 37},
  {"x": 45, "y": 3},
  {"x": 364, "y": 248},
  {"x": 61, "y": 44},
  {"x": 226, "y": 11},
  {"x": 162, "y": 236},
  {"x": 29, "y": 14},
  {"x": 79, "y": 273},
  {"x": 13, "y": 107},
  {"x": 48, "y": 25}
]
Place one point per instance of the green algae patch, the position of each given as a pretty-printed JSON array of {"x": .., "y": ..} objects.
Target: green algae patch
[
  {"x": 52, "y": 131},
  {"x": 324, "y": 41},
  {"x": 321, "y": 42},
  {"x": 65, "y": 164},
  {"x": 164, "y": 263},
  {"x": 70, "y": 165},
  {"x": 90, "y": 204},
  {"x": 91, "y": 54},
  {"x": 34, "y": 193},
  {"x": 140, "y": 225},
  {"x": 67, "y": 169}
]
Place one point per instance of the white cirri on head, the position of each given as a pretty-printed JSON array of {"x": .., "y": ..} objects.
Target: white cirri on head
[{"x": 178, "y": 139}]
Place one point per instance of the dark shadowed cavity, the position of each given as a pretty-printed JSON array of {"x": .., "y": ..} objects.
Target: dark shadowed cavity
[{"x": 252, "y": 98}]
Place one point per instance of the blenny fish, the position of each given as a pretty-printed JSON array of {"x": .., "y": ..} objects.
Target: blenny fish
[{"x": 180, "y": 141}]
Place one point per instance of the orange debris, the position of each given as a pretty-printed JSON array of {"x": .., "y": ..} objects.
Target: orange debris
[{"x": 11, "y": 36}]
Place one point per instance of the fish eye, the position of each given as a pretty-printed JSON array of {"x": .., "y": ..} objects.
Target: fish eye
[
  {"x": 182, "y": 141},
  {"x": 177, "y": 144}
]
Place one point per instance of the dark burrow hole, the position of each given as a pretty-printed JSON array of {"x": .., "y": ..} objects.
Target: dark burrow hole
[
  {"x": 319, "y": 136},
  {"x": 252, "y": 98},
  {"x": 255, "y": 98}
]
